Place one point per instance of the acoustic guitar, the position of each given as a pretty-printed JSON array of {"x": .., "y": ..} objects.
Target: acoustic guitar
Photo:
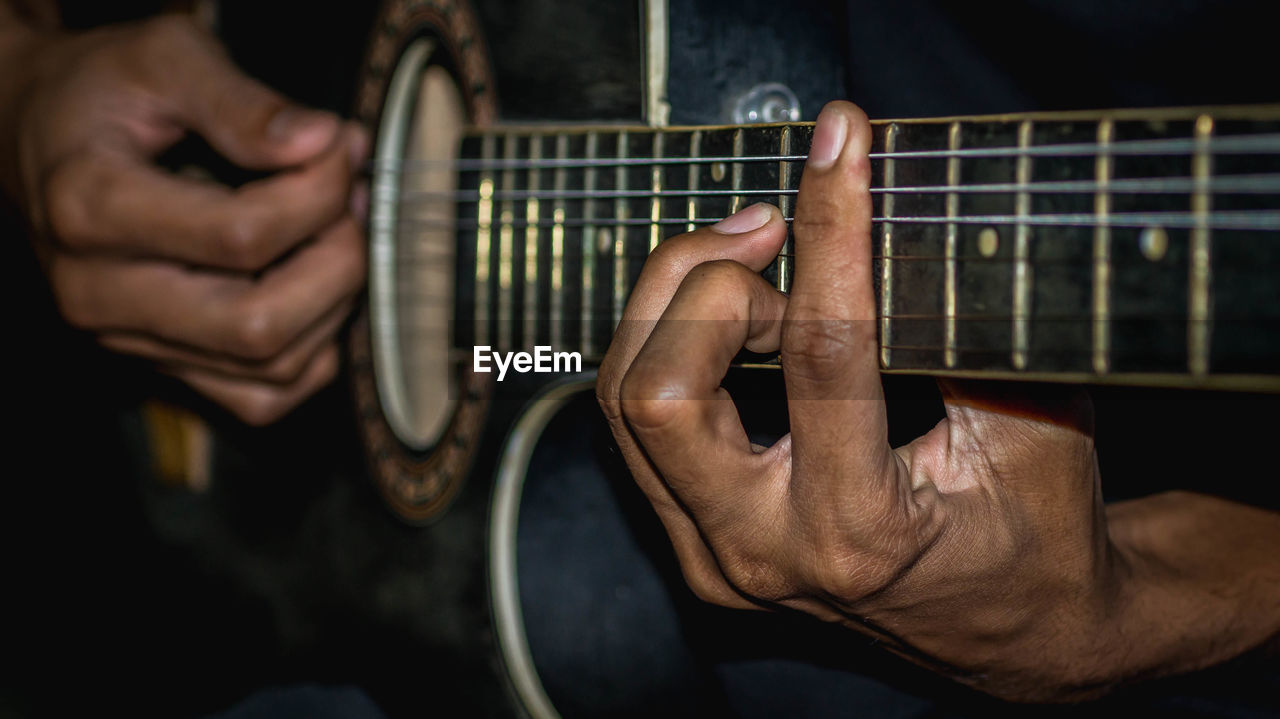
[{"x": 1106, "y": 247}]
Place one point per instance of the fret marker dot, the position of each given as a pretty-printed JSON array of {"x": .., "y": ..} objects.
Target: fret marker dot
[
  {"x": 604, "y": 241},
  {"x": 1154, "y": 243},
  {"x": 988, "y": 242},
  {"x": 718, "y": 171}
]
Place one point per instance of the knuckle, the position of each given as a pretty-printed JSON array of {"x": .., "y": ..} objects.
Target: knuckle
[
  {"x": 676, "y": 255},
  {"x": 755, "y": 577},
  {"x": 67, "y": 206},
  {"x": 820, "y": 215},
  {"x": 256, "y": 334},
  {"x": 240, "y": 242},
  {"x": 851, "y": 569},
  {"x": 725, "y": 276},
  {"x": 670, "y": 252},
  {"x": 649, "y": 399},
  {"x": 816, "y": 347}
]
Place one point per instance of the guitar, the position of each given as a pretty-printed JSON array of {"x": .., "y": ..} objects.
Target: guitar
[{"x": 1107, "y": 247}]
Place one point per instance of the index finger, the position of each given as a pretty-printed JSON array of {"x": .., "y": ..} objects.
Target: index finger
[
  {"x": 829, "y": 344},
  {"x": 110, "y": 201}
]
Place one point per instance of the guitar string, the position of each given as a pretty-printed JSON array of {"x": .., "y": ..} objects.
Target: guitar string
[
  {"x": 1218, "y": 184},
  {"x": 1162, "y": 147},
  {"x": 1213, "y": 220},
  {"x": 1181, "y": 319},
  {"x": 412, "y": 257}
]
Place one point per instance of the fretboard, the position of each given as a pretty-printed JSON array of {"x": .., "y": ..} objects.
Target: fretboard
[{"x": 1135, "y": 246}]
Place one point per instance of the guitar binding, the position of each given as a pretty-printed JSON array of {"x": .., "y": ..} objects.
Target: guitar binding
[{"x": 418, "y": 464}]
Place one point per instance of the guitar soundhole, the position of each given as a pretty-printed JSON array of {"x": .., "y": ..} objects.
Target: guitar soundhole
[
  {"x": 411, "y": 247},
  {"x": 421, "y": 409}
]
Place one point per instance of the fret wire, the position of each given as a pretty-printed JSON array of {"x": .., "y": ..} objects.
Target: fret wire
[
  {"x": 588, "y": 252},
  {"x": 484, "y": 241},
  {"x": 621, "y": 213},
  {"x": 506, "y": 251},
  {"x": 655, "y": 205},
  {"x": 1233, "y": 144},
  {"x": 1199, "y": 292},
  {"x": 785, "y": 203},
  {"x": 695, "y": 145},
  {"x": 531, "y": 244},
  {"x": 557, "y": 248},
  {"x": 886, "y": 264},
  {"x": 949, "y": 270},
  {"x": 735, "y": 182},
  {"x": 1102, "y": 252},
  {"x": 1021, "y": 251}
]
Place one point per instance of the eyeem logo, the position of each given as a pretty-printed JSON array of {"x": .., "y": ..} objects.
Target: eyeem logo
[{"x": 543, "y": 360}]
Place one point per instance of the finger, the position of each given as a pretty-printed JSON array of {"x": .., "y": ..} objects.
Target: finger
[
  {"x": 682, "y": 417},
  {"x": 107, "y": 201},
  {"x": 261, "y": 403},
  {"x": 242, "y": 119},
  {"x": 829, "y": 341},
  {"x": 243, "y": 316},
  {"x": 283, "y": 369},
  {"x": 753, "y": 237}
]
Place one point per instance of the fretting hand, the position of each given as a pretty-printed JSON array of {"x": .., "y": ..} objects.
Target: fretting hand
[
  {"x": 237, "y": 292},
  {"x": 981, "y": 549}
]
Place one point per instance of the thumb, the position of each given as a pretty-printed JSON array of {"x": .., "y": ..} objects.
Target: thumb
[
  {"x": 244, "y": 120},
  {"x": 254, "y": 127}
]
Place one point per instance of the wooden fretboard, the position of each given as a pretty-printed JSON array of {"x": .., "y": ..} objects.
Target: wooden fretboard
[{"x": 1125, "y": 246}]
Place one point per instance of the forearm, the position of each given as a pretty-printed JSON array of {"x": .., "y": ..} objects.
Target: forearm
[{"x": 1201, "y": 583}]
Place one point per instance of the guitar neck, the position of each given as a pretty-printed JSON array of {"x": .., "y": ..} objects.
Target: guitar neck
[{"x": 1136, "y": 247}]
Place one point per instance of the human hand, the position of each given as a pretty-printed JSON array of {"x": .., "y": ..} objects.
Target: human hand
[
  {"x": 980, "y": 549},
  {"x": 237, "y": 292}
]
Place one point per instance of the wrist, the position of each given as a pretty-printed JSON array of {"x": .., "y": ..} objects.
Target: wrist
[{"x": 1198, "y": 583}]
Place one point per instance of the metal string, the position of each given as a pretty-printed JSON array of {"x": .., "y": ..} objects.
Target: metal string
[
  {"x": 1162, "y": 147},
  {"x": 1214, "y": 220},
  {"x": 1251, "y": 184}
]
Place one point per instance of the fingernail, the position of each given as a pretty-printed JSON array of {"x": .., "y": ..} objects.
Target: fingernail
[
  {"x": 291, "y": 120},
  {"x": 746, "y": 220},
  {"x": 828, "y": 139}
]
